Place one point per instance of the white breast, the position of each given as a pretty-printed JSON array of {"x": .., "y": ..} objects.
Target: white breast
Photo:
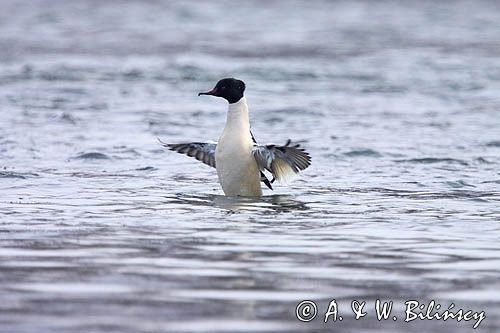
[{"x": 236, "y": 167}]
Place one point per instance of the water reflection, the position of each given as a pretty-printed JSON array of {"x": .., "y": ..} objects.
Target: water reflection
[{"x": 270, "y": 203}]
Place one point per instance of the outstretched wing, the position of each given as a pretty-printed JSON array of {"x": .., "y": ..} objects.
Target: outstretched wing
[
  {"x": 284, "y": 162},
  {"x": 202, "y": 151}
]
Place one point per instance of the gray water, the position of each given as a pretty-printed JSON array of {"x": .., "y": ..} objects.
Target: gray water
[{"x": 102, "y": 230}]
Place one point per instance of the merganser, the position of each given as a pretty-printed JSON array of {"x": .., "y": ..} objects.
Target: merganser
[{"x": 240, "y": 162}]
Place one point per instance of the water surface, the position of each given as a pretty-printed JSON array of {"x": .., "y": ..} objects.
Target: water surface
[{"x": 102, "y": 230}]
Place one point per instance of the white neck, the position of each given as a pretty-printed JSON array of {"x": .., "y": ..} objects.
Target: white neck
[{"x": 237, "y": 116}]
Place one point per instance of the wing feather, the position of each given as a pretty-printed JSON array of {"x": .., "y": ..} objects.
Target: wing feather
[
  {"x": 202, "y": 151},
  {"x": 284, "y": 162}
]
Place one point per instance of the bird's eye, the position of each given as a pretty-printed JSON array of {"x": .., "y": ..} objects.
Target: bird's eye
[{"x": 223, "y": 87}]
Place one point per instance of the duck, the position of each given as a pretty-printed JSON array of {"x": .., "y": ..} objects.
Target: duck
[{"x": 241, "y": 163}]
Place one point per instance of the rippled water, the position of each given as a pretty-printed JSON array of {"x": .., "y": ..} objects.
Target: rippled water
[{"x": 102, "y": 230}]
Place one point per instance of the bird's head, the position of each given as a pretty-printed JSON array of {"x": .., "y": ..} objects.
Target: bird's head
[{"x": 230, "y": 89}]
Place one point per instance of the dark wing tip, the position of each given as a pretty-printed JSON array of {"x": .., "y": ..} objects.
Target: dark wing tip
[
  {"x": 161, "y": 142},
  {"x": 164, "y": 144},
  {"x": 264, "y": 179},
  {"x": 177, "y": 147}
]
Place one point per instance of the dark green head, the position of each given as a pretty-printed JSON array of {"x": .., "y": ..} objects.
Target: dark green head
[{"x": 230, "y": 89}]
